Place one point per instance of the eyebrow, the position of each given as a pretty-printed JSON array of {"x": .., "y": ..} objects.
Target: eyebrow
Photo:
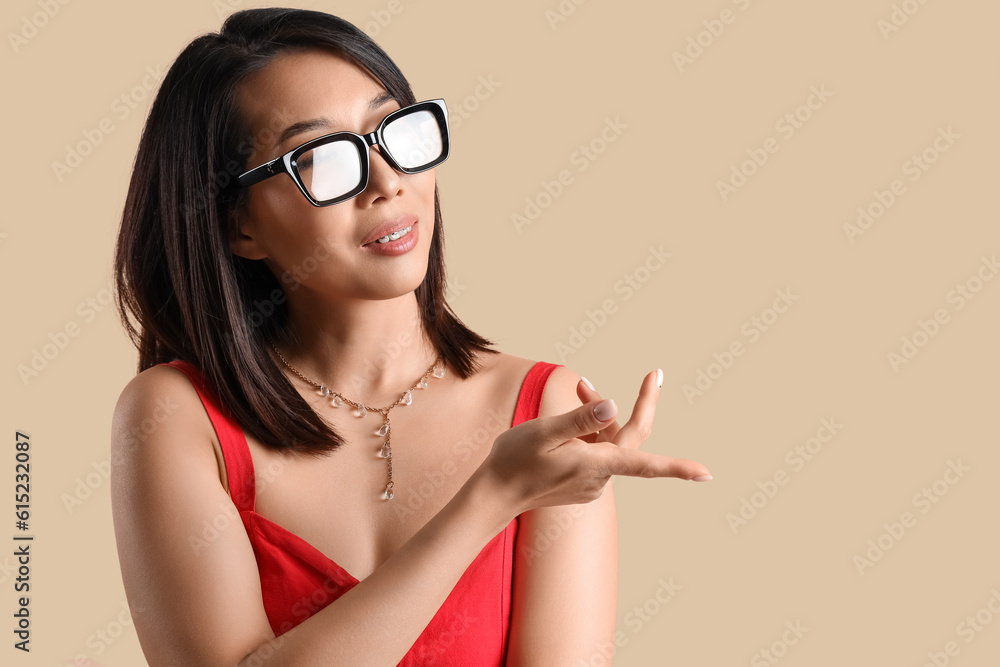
[{"x": 325, "y": 122}]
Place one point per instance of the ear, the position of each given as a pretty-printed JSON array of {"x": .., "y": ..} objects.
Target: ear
[{"x": 242, "y": 242}]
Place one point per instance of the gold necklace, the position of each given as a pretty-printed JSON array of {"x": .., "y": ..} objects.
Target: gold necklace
[{"x": 360, "y": 409}]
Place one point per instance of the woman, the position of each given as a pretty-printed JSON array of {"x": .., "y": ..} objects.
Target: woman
[{"x": 316, "y": 463}]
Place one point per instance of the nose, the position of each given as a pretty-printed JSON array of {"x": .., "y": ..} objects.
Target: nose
[{"x": 383, "y": 180}]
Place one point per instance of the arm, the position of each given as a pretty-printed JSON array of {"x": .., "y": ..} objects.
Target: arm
[
  {"x": 203, "y": 606},
  {"x": 565, "y": 568}
]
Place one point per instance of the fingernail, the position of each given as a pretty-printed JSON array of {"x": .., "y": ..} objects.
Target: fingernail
[
  {"x": 605, "y": 410},
  {"x": 659, "y": 377},
  {"x": 587, "y": 382},
  {"x": 701, "y": 478}
]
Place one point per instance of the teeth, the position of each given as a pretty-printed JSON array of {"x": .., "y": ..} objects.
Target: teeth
[{"x": 394, "y": 235}]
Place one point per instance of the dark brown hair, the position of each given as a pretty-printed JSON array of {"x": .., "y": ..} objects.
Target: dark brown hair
[{"x": 175, "y": 274}]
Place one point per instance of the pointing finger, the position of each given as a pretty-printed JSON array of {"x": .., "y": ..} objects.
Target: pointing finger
[{"x": 640, "y": 463}]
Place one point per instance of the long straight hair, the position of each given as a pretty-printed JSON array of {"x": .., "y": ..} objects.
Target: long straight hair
[{"x": 175, "y": 274}]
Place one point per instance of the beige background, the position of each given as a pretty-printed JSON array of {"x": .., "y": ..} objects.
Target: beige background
[{"x": 681, "y": 130}]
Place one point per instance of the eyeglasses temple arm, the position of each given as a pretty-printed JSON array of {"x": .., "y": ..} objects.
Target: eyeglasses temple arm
[{"x": 258, "y": 174}]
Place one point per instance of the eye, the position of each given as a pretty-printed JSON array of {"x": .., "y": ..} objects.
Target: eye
[{"x": 304, "y": 161}]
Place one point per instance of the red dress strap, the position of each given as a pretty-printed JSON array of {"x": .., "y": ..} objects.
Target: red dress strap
[
  {"x": 530, "y": 398},
  {"x": 235, "y": 451}
]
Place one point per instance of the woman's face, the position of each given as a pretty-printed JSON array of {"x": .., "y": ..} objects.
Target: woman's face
[{"x": 323, "y": 248}]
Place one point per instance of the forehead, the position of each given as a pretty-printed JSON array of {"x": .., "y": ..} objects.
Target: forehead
[{"x": 300, "y": 85}]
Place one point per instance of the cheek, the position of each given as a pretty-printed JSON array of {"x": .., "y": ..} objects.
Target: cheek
[
  {"x": 274, "y": 205},
  {"x": 426, "y": 190},
  {"x": 424, "y": 187},
  {"x": 290, "y": 229}
]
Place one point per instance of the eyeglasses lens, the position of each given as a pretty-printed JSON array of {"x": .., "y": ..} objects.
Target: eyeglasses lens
[
  {"x": 330, "y": 170},
  {"x": 413, "y": 140},
  {"x": 334, "y": 169}
]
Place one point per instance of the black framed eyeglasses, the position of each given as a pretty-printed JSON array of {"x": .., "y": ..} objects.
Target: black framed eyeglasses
[{"x": 335, "y": 167}]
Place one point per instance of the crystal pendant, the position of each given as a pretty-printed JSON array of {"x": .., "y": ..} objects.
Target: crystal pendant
[
  {"x": 388, "y": 492},
  {"x": 438, "y": 372},
  {"x": 385, "y": 450},
  {"x": 337, "y": 402},
  {"x": 408, "y": 397},
  {"x": 324, "y": 390},
  {"x": 385, "y": 429},
  {"x": 423, "y": 383},
  {"x": 361, "y": 411}
]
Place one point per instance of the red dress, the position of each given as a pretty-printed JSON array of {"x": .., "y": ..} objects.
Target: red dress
[{"x": 297, "y": 580}]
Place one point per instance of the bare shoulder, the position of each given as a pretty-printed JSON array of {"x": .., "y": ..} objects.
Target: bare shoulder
[
  {"x": 159, "y": 414},
  {"x": 559, "y": 394},
  {"x": 501, "y": 369},
  {"x": 160, "y": 398}
]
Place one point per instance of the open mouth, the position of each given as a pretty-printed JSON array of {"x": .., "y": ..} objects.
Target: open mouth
[{"x": 395, "y": 235}]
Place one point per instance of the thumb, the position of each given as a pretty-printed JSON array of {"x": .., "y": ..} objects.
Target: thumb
[{"x": 584, "y": 420}]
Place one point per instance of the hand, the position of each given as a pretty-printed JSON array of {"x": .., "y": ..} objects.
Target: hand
[{"x": 569, "y": 458}]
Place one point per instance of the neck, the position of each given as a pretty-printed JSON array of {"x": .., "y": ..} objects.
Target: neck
[{"x": 368, "y": 351}]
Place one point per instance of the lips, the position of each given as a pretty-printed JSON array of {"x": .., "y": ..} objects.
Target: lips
[{"x": 387, "y": 228}]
